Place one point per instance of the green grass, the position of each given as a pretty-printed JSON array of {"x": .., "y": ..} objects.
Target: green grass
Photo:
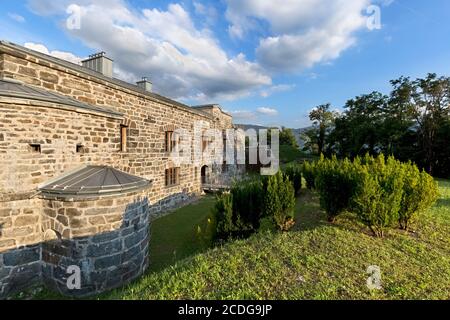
[
  {"x": 175, "y": 236},
  {"x": 289, "y": 154},
  {"x": 316, "y": 260}
]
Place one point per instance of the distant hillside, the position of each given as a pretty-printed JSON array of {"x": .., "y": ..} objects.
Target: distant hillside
[
  {"x": 297, "y": 132},
  {"x": 250, "y": 126},
  {"x": 298, "y": 136}
]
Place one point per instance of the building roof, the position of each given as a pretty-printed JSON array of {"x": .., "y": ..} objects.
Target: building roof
[
  {"x": 117, "y": 82},
  {"x": 211, "y": 106},
  {"x": 93, "y": 181},
  {"x": 15, "y": 89}
]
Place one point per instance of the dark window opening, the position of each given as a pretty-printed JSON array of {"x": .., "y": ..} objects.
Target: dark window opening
[
  {"x": 34, "y": 147},
  {"x": 80, "y": 148},
  {"x": 172, "y": 177}
]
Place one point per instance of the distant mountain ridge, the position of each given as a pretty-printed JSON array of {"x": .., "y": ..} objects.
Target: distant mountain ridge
[{"x": 297, "y": 132}]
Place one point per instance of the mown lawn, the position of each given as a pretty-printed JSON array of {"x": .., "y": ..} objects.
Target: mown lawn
[
  {"x": 316, "y": 260},
  {"x": 175, "y": 236}
]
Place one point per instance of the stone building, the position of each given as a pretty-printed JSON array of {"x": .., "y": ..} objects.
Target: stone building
[{"x": 85, "y": 166}]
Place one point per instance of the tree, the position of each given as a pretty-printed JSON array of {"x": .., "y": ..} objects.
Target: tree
[
  {"x": 287, "y": 138},
  {"x": 428, "y": 101},
  {"x": 323, "y": 120},
  {"x": 357, "y": 131}
]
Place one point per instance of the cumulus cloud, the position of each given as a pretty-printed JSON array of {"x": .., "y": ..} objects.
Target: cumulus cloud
[
  {"x": 239, "y": 115},
  {"x": 181, "y": 60},
  {"x": 302, "y": 33},
  {"x": 267, "y": 111},
  {"x": 16, "y": 17},
  {"x": 57, "y": 54}
]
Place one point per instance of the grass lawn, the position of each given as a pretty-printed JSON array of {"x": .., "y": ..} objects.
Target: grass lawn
[
  {"x": 316, "y": 260},
  {"x": 174, "y": 237}
]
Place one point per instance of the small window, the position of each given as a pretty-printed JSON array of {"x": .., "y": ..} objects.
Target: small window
[
  {"x": 205, "y": 143},
  {"x": 123, "y": 138},
  {"x": 172, "y": 177},
  {"x": 171, "y": 141},
  {"x": 80, "y": 148},
  {"x": 36, "y": 148}
]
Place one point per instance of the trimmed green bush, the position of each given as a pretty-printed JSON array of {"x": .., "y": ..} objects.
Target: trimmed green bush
[
  {"x": 420, "y": 191},
  {"x": 382, "y": 193},
  {"x": 279, "y": 200},
  {"x": 294, "y": 172},
  {"x": 248, "y": 202},
  {"x": 308, "y": 172},
  {"x": 379, "y": 193},
  {"x": 335, "y": 184}
]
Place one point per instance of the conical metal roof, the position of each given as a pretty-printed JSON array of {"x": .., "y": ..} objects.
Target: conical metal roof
[{"x": 93, "y": 181}]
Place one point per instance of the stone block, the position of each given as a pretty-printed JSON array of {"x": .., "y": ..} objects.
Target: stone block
[{"x": 20, "y": 257}]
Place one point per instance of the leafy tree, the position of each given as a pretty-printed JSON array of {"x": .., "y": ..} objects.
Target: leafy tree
[
  {"x": 287, "y": 137},
  {"x": 323, "y": 120},
  {"x": 357, "y": 131},
  {"x": 428, "y": 101}
]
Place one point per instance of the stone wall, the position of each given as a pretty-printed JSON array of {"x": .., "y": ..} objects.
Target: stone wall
[
  {"x": 106, "y": 238},
  {"x": 84, "y": 230},
  {"x": 58, "y": 131},
  {"x": 147, "y": 116}
]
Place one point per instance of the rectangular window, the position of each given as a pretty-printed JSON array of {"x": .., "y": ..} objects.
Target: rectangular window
[
  {"x": 172, "y": 177},
  {"x": 80, "y": 148},
  {"x": 123, "y": 138},
  {"x": 170, "y": 141},
  {"x": 36, "y": 148}
]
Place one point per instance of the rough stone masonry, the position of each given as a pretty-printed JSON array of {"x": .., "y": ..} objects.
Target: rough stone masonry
[{"x": 84, "y": 168}]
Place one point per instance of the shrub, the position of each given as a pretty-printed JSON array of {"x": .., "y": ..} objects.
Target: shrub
[
  {"x": 294, "y": 173},
  {"x": 378, "y": 193},
  {"x": 285, "y": 217},
  {"x": 308, "y": 171},
  {"x": 279, "y": 200},
  {"x": 248, "y": 202},
  {"x": 419, "y": 193},
  {"x": 229, "y": 223},
  {"x": 335, "y": 185}
]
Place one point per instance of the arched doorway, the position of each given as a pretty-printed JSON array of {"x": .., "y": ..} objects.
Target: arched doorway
[{"x": 204, "y": 174}]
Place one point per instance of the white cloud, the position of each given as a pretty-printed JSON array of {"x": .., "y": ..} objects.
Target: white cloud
[
  {"x": 57, "y": 54},
  {"x": 267, "y": 92},
  {"x": 302, "y": 33},
  {"x": 267, "y": 111},
  {"x": 16, "y": 17},
  {"x": 242, "y": 115},
  {"x": 207, "y": 11},
  {"x": 181, "y": 60}
]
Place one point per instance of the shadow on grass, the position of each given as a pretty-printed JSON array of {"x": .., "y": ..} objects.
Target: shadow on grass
[{"x": 443, "y": 202}]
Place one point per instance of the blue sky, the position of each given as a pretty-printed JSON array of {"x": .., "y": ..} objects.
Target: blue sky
[{"x": 267, "y": 62}]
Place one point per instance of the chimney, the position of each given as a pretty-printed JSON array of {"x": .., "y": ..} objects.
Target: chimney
[
  {"x": 145, "y": 84},
  {"x": 99, "y": 62}
]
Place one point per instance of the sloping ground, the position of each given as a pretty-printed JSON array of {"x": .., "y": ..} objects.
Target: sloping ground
[{"x": 315, "y": 261}]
